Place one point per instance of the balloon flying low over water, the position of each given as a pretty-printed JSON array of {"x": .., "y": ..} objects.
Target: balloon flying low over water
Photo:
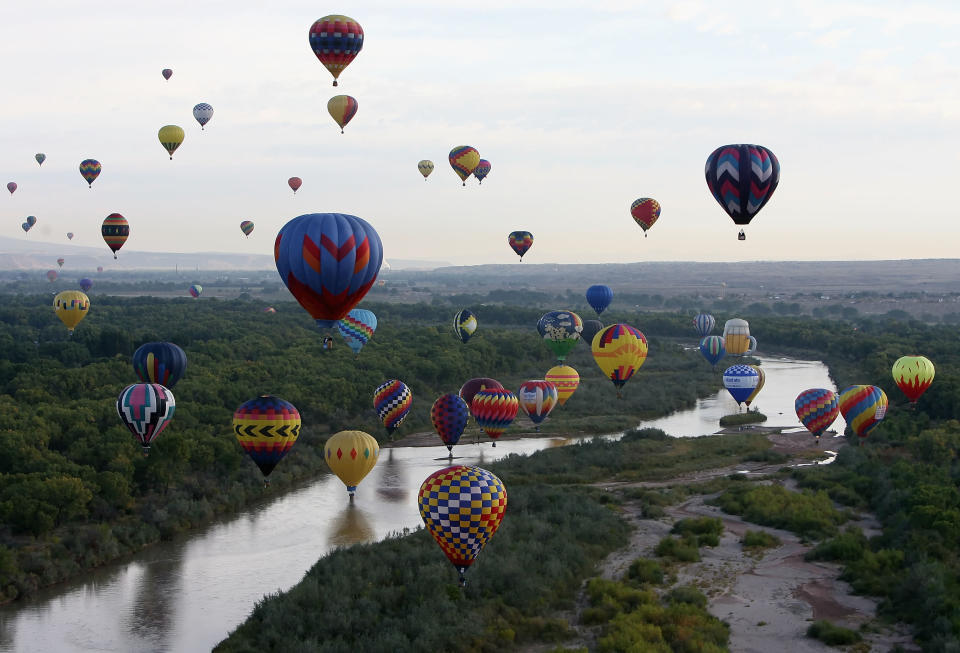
[
  {"x": 336, "y": 40},
  {"x": 494, "y": 409},
  {"x": 464, "y": 325},
  {"x": 342, "y": 108},
  {"x": 740, "y": 381},
  {"x": 71, "y": 306},
  {"x": 294, "y": 183},
  {"x": 86, "y": 284},
  {"x": 645, "y": 212},
  {"x": 713, "y": 349},
  {"x": 159, "y": 362},
  {"x": 392, "y": 401},
  {"x": 817, "y": 409},
  {"x": 90, "y": 170},
  {"x": 566, "y": 379},
  {"x": 246, "y": 227},
  {"x": 146, "y": 409},
  {"x": 425, "y": 167},
  {"x": 619, "y": 350},
  {"x": 449, "y": 415},
  {"x": 704, "y": 323},
  {"x": 11, "y": 186},
  {"x": 195, "y": 290},
  {"x": 462, "y": 508},
  {"x": 171, "y": 137},
  {"x": 913, "y": 375},
  {"x": 351, "y": 455},
  {"x": 52, "y": 275},
  {"x": 742, "y": 179},
  {"x": 760, "y": 381},
  {"x": 267, "y": 428},
  {"x": 464, "y": 160},
  {"x": 863, "y": 408},
  {"x": 561, "y": 331},
  {"x": 115, "y": 231},
  {"x": 599, "y": 298},
  {"x": 357, "y": 328},
  {"x": 537, "y": 399},
  {"x": 202, "y": 113},
  {"x": 40, "y": 157},
  {"x": 328, "y": 262},
  {"x": 167, "y": 73},
  {"x": 482, "y": 170},
  {"x": 520, "y": 242}
]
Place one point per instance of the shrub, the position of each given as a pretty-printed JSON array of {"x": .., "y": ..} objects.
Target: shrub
[
  {"x": 832, "y": 634},
  {"x": 643, "y": 570},
  {"x": 759, "y": 540},
  {"x": 682, "y": 550},
  {"x": 687, "y": 594}
]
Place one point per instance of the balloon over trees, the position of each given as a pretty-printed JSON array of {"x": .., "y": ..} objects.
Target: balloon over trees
[
  {"x": 863, "y": 408},
  {"x": 115, "y": 231},
  {"x": 537, "y": 399},
  {"x": 619, "y": 351},
  {"x": 86, "y": 284},
  {"x": 462, "y": 508},
  {"x": 817, "y": 409},
  {"x": 913, "y": 375},
  {"x": 336, "y": 40},
  {"x": 357, "y": 328},
  {"x": 494, "y": 410},
  {"x": 246, "y": 227},
  {"x": 566, "y": 379},
  {"x": 449, "y": 415},
  {"x": 425, "y": 167},
  {"x": 160, "y": 362},
  {"x": 645, "y": 212},
  {"x": 736, "y": 337},
  {"x": 71, "y": 306},
  {"x": 267, "y": 428},
  {"x": 195, "y": 290},
  {"x": 742, "y": 179},
  {"x": 599, "y": 298},
  {"x": 464, "y": 325},
  {"x": 171, "y": 137},
  {"x": 328, "y": 262},
  {"x": 294, "y": 183},
  {"x": 342, "y": 108},
  {"x": 469, "y": 389},
  {"x": 704, "y": 323},
  {"x": 482, "y": 170},
  {"x": 90, "y": 170},
  {"x": 351, "y": 455},
  {"x": 520, "y": 242},
  {"x": 590, "y": 329},
  {"x": 52, "y": 275},
  {"x": 740, "y": 381},
  {"x": 561, "y": 331},
  {"x": 60, "y": 262},
  {"x": 202, "y": 113},
  {"x": 464, "y": 160},
  {"x": 392, "y": 401},
  {"x": 146, "y": 409}
]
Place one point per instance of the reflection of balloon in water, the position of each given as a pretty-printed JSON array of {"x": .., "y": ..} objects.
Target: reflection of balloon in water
[
  {"x": 740, "y": 381},
  {"x": 40, "y": 157},
  {"x": 86, "y": 284},
  {"x": 167, "y": 73},
  {"x": 599, "y": 297},
  {"x": 537, "y": 399},
  {"x": 645, "y": 212},
  {"x": 520, "y": 242},
  {"x": 71, "y": 306},
  {"x": 195, "y": 290},
  {"x": 464, "y": 160},
  {"x": 351, "y": 455},
  {"x": 462, "y": 508},
  {"x": 449, "y": 415},
  {"x": 11, "y": 186},
  {"x": 590, "y": 329},
  {"x": 328, "y": 262},
  {"x": 566, "y": 379},
  {"x": 146, "y": 409},
  {"x": 342, "y": 108},
  {"x": 704, "y": 323},
  {"x": 90, "y": 170},
  {"x": 469, "y": 389},
  {"x": 464, "y": 324},
  {"x": 494, "y": 410},
  {"x": 425, "y": 167},
  {"x": 913, "y": 375},
  {"x": 760, "y": 381},
  {"x": 246, "y": 227},
  {"x": 482, "y": 170},
  {"x": 336, "y": 41},
  {"x": 863, "y": 408},
  {"x": 742, "y": 179},
  {"x": 51, "y": 275},
  {"x": 817, "y": 409},
  {"x": 357, "y": 328},
  {"x": 736, "y": 337},
  {"x": 392, "y": 401},
  {"x": 267, "y": 428},
  {"x": 115, "y": 231},
  {"x": 202, "y": 113},
  {"x": 294, "y": 183},
  {"x": 561, "y": 331},
  {"x": 60, "y": 262},
  {"x": 619, "y": 350},
  {"x": 171, "y": 137},
  {"x": 159, "y": 362}
]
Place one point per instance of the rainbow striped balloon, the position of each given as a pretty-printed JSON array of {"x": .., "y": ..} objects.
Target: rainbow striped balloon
[
  {"x": 494, "y": 410},
  {"x": 90, "y": 170},
  {"x": 713, "y": 349},
  {"x": 246, "y": 227},
  {"x": 357, "y": 328},
  {"x": 115, "y": 231},
  {"x": 817, "y": 409},
  {"x": 392, "y": 401},
  {"x": 863, "y": 407}
]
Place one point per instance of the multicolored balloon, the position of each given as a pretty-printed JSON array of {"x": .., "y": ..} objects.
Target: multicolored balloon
[
  {"x": 159, "y": 362},
  {"x": 537, "y": 399},
  {"x": 328, "y": 262},
  {"x": 11, "y": 186},
  {"x": 619, "y": 350},
  {"x": 645, "y": 212},
  {"x": 520, "y": 242},
  {"x": 464, "y": 160},
  {"x": 60, "y": 262},
  {"x": 115, "y": 231},
  {"x": 482, "y": 170},
  {"x": 294, "y": 183},
  {"x": 712, "y": 348},
  {"x": 494, "y": 410},
  {"x": 90, "y": 170},
  {"x": 351, "y": 455},
  {"x": 913, "y": 375},
  {"x": 566, "y": 379},
  {"x": 561, "y": 331},
  {"x": 267, "y": 428},
  {"x": 146, "y": 409},
  {"x": 167, "y": 73},
  {"x": 270, "y": 309},
  {"x": 425, "y": 167},
  {"x": 470, "y": 389},
  {"x": 71, "y": 306},
  {"x": 742, "y": 179},
  {"x": 464, "y": 325},
  {"x": 195, "y": 290},
  {"x": 342, "y": 108},
  {"x": 246, "y": 227},
  {"x": 52, "y": 275},
  {"x": 704, "y": 323},
  {"x": 202, "y": 113},
  {"x": 462, "y": 507},
  {"x": 599, "y": 298},
  {"x": 86, "y": 284},
  {"x": 40, "y": 157},
  {"x": 392, "y": 401},
  {"x": 736, "y": 337},
  {"x": 763, "y": 379},
  {"x": 357, "y": 328},
  {"x": 863, "y": 408},
  {"x": 590, "y": 329},
  {"x": 817, "y": 409},
  {"x": 171, "y": 137},
  {"x": 336, "y": 40},
  {"x": 740, "y": 381},
  {"x": 449, "y": 415}
]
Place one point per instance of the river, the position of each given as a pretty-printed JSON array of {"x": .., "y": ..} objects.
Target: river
[{"x": 187, "y": 594}]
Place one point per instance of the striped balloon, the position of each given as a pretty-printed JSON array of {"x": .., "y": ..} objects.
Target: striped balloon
[
  {"x": 464, "y": 160},
  {"x": 146, "y": 409},
  {"x": 537, "y": 399},
  {"x": 464, "y": 324},
  {"x": 267, "y": 428},
  {"x": 482, "y": 170},
  {"x": 566, "y": 379},
  {"x": 246, "y": 227},
  {"x": 913, "y": 374},
  {"x": 392, "y": 401},
  {"x": 115, "y": 231},
  {"x": 90, "y": 170},
  {"x": 336, "y": 40},
  {"x": 520, "y": 242},
  {"x": 645, "y": 212},
  {"x": 160, "y": 362},
  {"x": 449, "y": 415},
  {"x": 202, "y": 113},
  {"x": 357, "y": 328},
  {"x": 704, "y": 324},
  {"x": 742, "y": 179},
  {"x": 494, "y": 410},
  {"x": 195, "y": 290},
  {"x": 740, "y": 381},
  {"x": 817, "y": 409},
  {"x": 342, "y": 108},
  {"x": 619, "y": 351},
  {"x": 863, "y": 408},
  {"x": 469, "y": 389}
]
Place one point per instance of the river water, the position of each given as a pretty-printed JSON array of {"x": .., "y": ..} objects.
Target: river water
[{"x": 188, "y": 594}]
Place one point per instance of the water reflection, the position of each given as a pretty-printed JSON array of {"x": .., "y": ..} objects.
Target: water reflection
[
  {"x": 351, "y": 526},
  {"x": 391, "y": 486},
  {"x": 149, "y": 617}
]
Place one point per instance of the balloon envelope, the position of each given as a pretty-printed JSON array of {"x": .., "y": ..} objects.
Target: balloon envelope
[
  {"x": 392, "y": 401},
  {"x": 817, "y": 409},
  {"x": 342, "y": 108},
  {"x": 736, "y": 337},
  {"x": 760, "y": 381},
  {"x": 590, "y": 329},
  {"x": 863, "y": 408},
  {"x": 195, "y": 290},
  {"x": 742, "y": 179},
  {"x": 713, "y": 349},
  {"x": 645, "y": 212},
  {"x": 740, "y": 381},
  {"x": 11, "y": 186},
  {"x": 520, "y": 242},
  {"x": 267, "y": 428},
  {"x": 425, "y": 167},
  {"x": 90, "y": 170},
  {"x": 704, "y": 324},
  {"x": 336, "y": 40},
  {"x": 115, "y": 231},
  {"x": 357, "y": 328},
  {"x": 913, "y": 374},
  {"x": 160, "y": 362},
  {"x": 469, "y": 389},
  {"x": 566, "y": 379},
  {"x": 599, "y": 298},
  {"x": 40, "y": 157},
  {"x": 561, "y": 331},
  {"x": 351, "y": 455},
  {"x": 482, "y": 170},
  {"x": 71, "y": 306},
  {"x": 146, "y": 409},
  {"x": 464, "y": 160},
  {"x": 464, "y": 324},
  {"x": 52, "y": 275},
  {"x": 537, "y": 399},
  {"x": 294, "y": 183},
  {"x": 86, "y": 284},
  {"x": 449, "y": 415},
  {"x": 619, "y": 351},
  {"x": 494, "y": 409},
  {"x": 171, "y": 137},
  {"x": 246, "y": 227},
  {"x": 202, "y": 113},
  {"x": 167, "y": 73},
  {"x": 31, "y": 220}
]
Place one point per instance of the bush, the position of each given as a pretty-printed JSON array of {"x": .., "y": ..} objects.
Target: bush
[
  {"x": 643, "y": 570},
  {"x": 700, "y": 531},
  {"x": 739, "y": 419},
  {"x": 644, "y": 434},
  {"x": 832, "y": 635},
  {"x": 687, "y": 594},
  {"x": 681, "y": 550},
  {"x": 759, "y": 540},
  {"x": 809, "y": 514}
]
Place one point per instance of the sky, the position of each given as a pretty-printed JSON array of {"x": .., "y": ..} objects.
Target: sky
[{"x": 580, "y": 108}]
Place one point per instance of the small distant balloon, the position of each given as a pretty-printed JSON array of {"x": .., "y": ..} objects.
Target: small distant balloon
[
  {"x": 357, "y": 328},
  {"x": 115, "y": 231},
  {"x": 11, "y": 186},
  {"x": 52, "y": 275},
  {"x": 31, "y": 220},
  {"x": 171, "y": 137},
  {"x": 599, "y": 297},
  {"x": 464, "y": 160},
  {"x": 645, "y": 212},
  {"x": 60, "y": 262},
  {"x": 294, "y": 183},
  {"x": 520, "y": 242},
  {"x": 425, "y": 167},
  {"x": 270, "y": 309},
  {"x": 246, "y": 227},
  {"x": 86, "y": 284},
  {"x": 202, "y": 113},
  {"x": 25, "y": 226},
  {"x": 99, "y": 268},
  {"x": 336, "y": 41},
  {"x": 704, "y": 323},
  {"x": 90, "y": 170},
  {"x": 40, "y": 157},
  {"x": 195, "y": 290},
  {"x": 342, "y": 108},
  {"x": 482, "y": 170},
  {"x": 167, "y": 73},
  {"x": 69, "y": 235}
]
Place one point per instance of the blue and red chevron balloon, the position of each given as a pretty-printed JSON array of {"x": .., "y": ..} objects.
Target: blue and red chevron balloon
[
  {"x": 817, "y": 409},
  {"x": 159, "y": 362},
  {"x": 357, "y": 328},
  {"x": 392, "y": 401},
  {"x": 336, "y": 40},
  {"x": 449, "y": 415},
  {"x": 494, "y": 410},
  {"x": 328, "y": 262},
  {"x": 863, "y": 407},
  {"x": 742, "y": 179},
  {"x": 266, "y": 428},
  {"x": 482, "y": 170}
]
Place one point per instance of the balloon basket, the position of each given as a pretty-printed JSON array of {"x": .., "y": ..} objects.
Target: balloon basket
[{"x": 266, "y": 484}]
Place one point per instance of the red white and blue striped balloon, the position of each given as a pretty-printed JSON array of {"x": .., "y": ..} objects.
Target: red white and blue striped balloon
[
  {"x": 704, "y": 324},
  {"x": 742, "y": 179},
  {"x": 537, "y": 399}
]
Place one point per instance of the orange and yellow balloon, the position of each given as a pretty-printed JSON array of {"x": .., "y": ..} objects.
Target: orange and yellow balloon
[
  {"x": 566, "y": 379},
  {"x": 351, "y": 455},
  {"x": 342, "y": 109},
  {"x": 464, "y": 160},
  {"x": 619, "y": 350},
  {"x": 760, "y": 381}
]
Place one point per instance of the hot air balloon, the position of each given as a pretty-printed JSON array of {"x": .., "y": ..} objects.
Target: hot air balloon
[
  {"x": 520, "y": 242},
  {"x": 342, "y": 108},
  {"x": 817, "y": 409},
  {"x": 590, "y": 329},
  {"x": 537, "y": 399},
  {"x": 25, "y": 226},
  {"x": 31, "y": 220},
  {"x": 115, "y": 231},
  {"x": 40, "y": 157},
  {"x": 863, "y": 408},
  {"x": 392, "y": 401},
  {"x": 913, "y": 375},
  {"x": 195, "y": 290},
  {"x": 464, "y": 324},
  {"x": 645, "y": 212},
  {"x": 11, "y": 186},
  {"x": 351, "y": 455},
  {"x": 336, "y": 40},
  {"x": 760, "y": 381},
  {"x": 740, "y": 381},
  {"x": 619, "y": 351},
  {"x": 599, "y": 297},
  {"x": 561, "y": 331},
  {"x": 736, "y": 337},
  {"x": 464, "y": 160},
  {"x": 202, "y": 113},
  {"x": 462, "y": 507},
  {"x": 171, "y": 137},
  {"x": 328, "y": 262},
  {"x": 167, "y": 73},
  {"x": 704, "y": 323},
  {"x": 86, "y": 284},
  {"x": 246, "y": 227},
  {"x": 71, "y": 306},
  {"x": 90, "y": 170},
  {"x": 160, "y": 362},
  {"x": 294, "y": 183},
  {"x": 99, "y": 268},
  {"x": 482, "y": 170},
  {"x": 267, "y": 428},
  {"x": 270, "y": 309},
  {"x": 449, "y": 415},
  {"x": 742, "y": 179},
  {"x": 566, "y": 379},
  {"x": 60, "y": 262},
  {"x": 146, "y": 409},
  {"x": 425, "y": 167},
  {"x": 51, "y": 275},
  {"x": 470, "y": 389},
  {"x": 357, "y": 328},
  {"x": 69, "y": 235},
  {"x": 494, "y": 410}
]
